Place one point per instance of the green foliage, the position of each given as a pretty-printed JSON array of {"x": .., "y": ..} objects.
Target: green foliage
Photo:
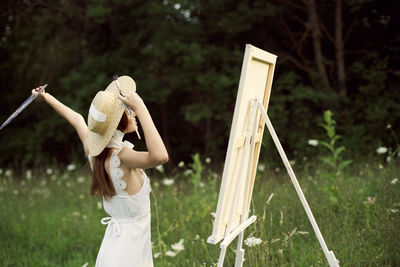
[
  {"x": 197, "y": 167},
  {"x": 186, "y": 58},
  {"x": 395, "y": 151},
  {"x": 332, "y": 160}
]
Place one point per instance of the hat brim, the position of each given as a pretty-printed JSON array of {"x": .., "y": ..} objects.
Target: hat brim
[{"x": 97, "y": 142}]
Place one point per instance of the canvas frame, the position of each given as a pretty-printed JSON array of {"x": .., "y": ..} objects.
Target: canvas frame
[{"x": 255, "y": 83}]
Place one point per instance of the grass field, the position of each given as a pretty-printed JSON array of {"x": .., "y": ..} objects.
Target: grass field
[{"x": 48, "y": 218}]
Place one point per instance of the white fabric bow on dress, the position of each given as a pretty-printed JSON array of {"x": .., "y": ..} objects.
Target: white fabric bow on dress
[{"x": 116, "y": 222}]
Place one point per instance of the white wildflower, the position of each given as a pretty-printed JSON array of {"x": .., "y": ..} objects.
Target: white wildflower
[
  {"x": 84, "y": 216},
  {"x": 167, "y": 181},
  {"x": 388, "y": 126},
  {"x": 380, "y": 166},
  {"x": 28, "y": 174},
  {"x": 80, "y": 179},
  {"x": 160, "y": 168},
  {"x": 292, "y": 162},
  {"x": 85, "y": 265},
  {"x": 99, "y": 205},
  {"x": 156, "y": 255},
  {"x": 8, "y": 173},
  {"x": 388, "y": 159},
  {"x": 178, "y": 246},
  {"x": 253, "y": 241},
  {"x": 49, "y": 171},
  {"x": 181, "y": 164},
  {"x": 187, "y": 172},
  {"x": 197, "y": 237},
  {"x": 170, "y": 253},
  {"x": 277, "y": 169},
  {"x": 15, "y": 192},
  {"x": 370, "y": 200},
  {"x": 261, "y": 167},
  {"x": 394, "y": 181},
  {"x": 394, "y": 210},
  {"x": 208, "y": 160},
  {"x": 201, "y": 184},
  {"x": 381, "y": 150},
  {"x": 313, "y": 142},
  {"x": 71, "y": 167}
]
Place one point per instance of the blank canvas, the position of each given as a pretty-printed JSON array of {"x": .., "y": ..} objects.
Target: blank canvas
[{"x": 255, "y": 82}]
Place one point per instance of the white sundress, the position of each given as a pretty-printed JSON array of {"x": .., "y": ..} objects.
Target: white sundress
[{"x": 127, "y": 240}]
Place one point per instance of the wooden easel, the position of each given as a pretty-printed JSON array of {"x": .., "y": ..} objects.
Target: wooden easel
[{"x": 257, "y": 110}]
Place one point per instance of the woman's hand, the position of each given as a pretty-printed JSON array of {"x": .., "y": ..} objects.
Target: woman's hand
[
  {"x": 41, "y": 96},
  {"x": 134, "y": 101}
]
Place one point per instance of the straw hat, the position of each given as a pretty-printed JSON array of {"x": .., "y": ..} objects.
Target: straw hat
[{"x": 105, "y": 113}]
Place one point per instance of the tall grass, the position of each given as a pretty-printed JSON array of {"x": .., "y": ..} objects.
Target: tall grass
[{"x": 47, "y": 218}]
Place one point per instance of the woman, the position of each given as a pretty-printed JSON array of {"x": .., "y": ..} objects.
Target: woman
[{"x": 118, "y": 175}]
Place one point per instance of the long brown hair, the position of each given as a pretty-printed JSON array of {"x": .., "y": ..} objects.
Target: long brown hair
[{"x": 102, "y": 185}]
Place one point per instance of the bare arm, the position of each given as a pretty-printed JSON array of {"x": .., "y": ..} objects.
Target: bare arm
[
  {"x": 74, "y": 118},
  {"x": 156, "y": 153}
]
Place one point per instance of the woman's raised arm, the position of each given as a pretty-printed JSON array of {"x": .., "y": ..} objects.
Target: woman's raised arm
[
  {"x": 73, "y": 117},
  {"x": 156, "y": 153}
]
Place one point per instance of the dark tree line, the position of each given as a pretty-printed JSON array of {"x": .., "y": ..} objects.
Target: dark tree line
[{"x": 186, "y": 58}]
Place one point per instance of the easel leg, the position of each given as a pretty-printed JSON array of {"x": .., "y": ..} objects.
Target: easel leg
[
  {"x": 221, "y": 257},
  {"x": 330, "y": 256},
  {"x": 239, "y": 251}
]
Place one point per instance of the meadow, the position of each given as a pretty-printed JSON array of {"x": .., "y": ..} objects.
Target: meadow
[{"x": 48, "y": 218}]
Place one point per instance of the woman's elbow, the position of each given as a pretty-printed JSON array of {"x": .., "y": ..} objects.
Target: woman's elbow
[
  {"x": 76, "y": 119},
  {"x": 164, "y": 158},
  {"x": 161, "y": 158}
]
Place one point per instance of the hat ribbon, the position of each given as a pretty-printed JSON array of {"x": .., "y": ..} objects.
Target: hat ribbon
[{"x": 96, "y": 114}]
